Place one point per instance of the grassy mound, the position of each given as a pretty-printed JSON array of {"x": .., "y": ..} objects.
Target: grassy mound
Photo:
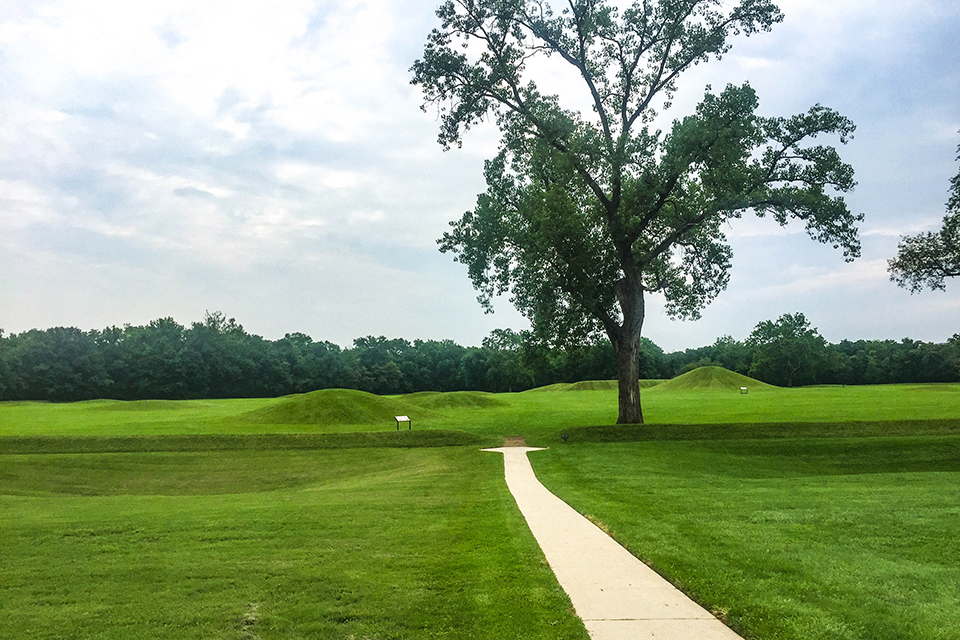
[
  {"x": 334, "y": 406},
  {"x": 455, "y": 400},
  {"x": 711, "y": 378},
  {"x": 592, "y": 385},
  {"x": 557, "y": 386}
]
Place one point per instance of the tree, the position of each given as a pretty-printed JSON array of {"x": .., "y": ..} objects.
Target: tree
[
  {"x": 733, "y": 355},
  {"x": 59, "y": 364},
  {"x": 147, "y": 361},
  {"x": 789, "y": 352},
  {"x": 221, "y": 359},
  {"x": 585, "y": 214},
  {"x": 506, "y": 369},
  {"x": 927, "y": 259}
]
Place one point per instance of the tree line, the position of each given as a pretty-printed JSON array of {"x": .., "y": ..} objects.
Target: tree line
[
  {"x": 217, "y": 358},
  {"x": 790, "y": 352}
]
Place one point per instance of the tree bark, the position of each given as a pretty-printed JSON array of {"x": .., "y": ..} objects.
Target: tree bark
[
  {"x": 628, "y": 380},
  {"x": 626, "y": 343}
]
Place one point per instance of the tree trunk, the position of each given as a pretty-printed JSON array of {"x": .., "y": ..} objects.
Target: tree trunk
[
  {"x": 626, "y": 342},
  {"x": 628, "y": 380}
]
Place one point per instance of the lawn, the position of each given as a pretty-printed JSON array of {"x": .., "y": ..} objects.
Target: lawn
[
  {"x": 347, "y": 544},
  {"x": 791, "y": 538},
  {"x": 538, "y": 415},
  {"x": 809, "y": 513}
]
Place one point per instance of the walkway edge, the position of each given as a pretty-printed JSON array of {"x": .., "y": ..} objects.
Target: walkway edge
[{"x": 617, "y": 596}]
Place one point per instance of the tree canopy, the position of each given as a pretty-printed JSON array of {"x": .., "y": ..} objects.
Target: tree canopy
[
  {"x": 928, "y": 259},
  {"x": 788, "y": 352},
  {"x": 586, "y": 213},
  {"x": 217, "y": 358}
]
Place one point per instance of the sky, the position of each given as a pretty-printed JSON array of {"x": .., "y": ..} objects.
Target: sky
[{"x": 271, "y": 161}]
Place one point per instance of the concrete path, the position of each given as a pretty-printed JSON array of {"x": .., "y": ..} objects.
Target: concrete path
[{"x": 617, "y": 596}]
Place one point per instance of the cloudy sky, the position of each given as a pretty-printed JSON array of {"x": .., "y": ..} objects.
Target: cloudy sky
[{"x": 270, "y": 160}]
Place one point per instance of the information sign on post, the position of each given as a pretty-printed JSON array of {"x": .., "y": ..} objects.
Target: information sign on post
[{"x": 404, "y": 419}]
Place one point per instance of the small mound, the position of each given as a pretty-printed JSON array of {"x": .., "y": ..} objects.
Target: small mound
[
  {"x": 593, "y": 385},
  {"x": 419, "y": 395},
  {"x": 558, "y": 386},
  {"x": 455, "y": 400},
  {"x": 333, "y": 406},
  {"x": 711, "y": 378}
]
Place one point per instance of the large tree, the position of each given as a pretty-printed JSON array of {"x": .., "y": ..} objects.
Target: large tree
[
  {"x": 587, "y": 212},
  {"x": 927, "y": 259},
  {"x": 788, "y": 352}
]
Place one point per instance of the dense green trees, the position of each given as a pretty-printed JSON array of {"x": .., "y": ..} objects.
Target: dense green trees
[
  {"x": 788, "y": 352},
  {"x": 62, "y": 363},
  {"x": 217, "y": 358}
]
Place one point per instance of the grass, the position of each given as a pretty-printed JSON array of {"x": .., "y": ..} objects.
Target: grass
[
  {"x": 714, "y": 378},
  {"x": 824, "y": 512},
  {"x": 537, "y": 414},
  {"x": 790, "y": 538},
  {"x": 347, "y": 544},
  {"x": 229, "y": 442}
]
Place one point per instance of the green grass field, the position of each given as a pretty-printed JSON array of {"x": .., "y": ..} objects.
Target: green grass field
[
  {"x": 348, "y": 544},
  {"x": 829, "y": 538},
  {"x": 699, "y": 397},
  {"x": 794, "y": 513}
]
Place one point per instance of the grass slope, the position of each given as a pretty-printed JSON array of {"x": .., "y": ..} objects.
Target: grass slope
[
  {"x": 590, "y": 385},
  {"x": 403, "y": 439},
  {"x": 454, "y": 400},
  {"x": 593, "y": 385},
  {"x": 711, "y": 378},
  {"x": 377, "y": 543},
  {"x": 335, "y": 407}
]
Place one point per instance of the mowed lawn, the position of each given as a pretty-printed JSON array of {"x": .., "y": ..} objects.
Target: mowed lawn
[
  {"x": 793, "y": 539},
  {"x": 351, "y": 544},
  {"x": 539, "y": 415},
  {"x": 255, "y": 519}
]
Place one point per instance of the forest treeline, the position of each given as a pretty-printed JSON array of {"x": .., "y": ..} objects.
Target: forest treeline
[{"x": 217, "y": 358}]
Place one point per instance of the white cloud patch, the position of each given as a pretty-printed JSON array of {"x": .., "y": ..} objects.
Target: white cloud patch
[
  {"x": 913, "y": 227},
  {"x": 23, "y": 205},
  {"x": 802, "y": 281}
]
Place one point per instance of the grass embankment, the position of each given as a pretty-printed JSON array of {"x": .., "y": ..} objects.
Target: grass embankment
[
  {"x": 789, "y": 538},
  {"x": 230, "y": 442},
  {"x": 243, "y": 544}
]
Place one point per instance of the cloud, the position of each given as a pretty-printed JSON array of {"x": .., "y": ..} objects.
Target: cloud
[
  {"x": 271, "y": 160},
  {"x": 858, "y": 274},
  {"x": 911, "y": 228}
]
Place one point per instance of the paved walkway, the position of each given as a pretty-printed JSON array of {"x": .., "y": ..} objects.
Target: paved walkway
[{"x": 617, "y": 596}]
